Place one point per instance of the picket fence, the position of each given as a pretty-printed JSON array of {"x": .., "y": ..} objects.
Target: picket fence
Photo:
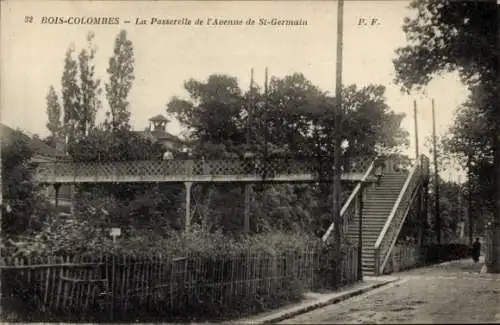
[{"x": 83, "y": 286}]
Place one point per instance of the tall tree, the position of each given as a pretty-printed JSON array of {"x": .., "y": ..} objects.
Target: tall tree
[
  {"x": 462, "y": 36},
  {"x": 70, "y": 98},
  {"x": 54, "y": 113},
  {"x": 89, "y": 88},
  {"x": 213, "y": 114},
  {"x": 121, "y": 76}
]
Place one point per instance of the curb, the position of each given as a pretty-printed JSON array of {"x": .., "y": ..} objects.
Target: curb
[{"x": 320, "y": 304}]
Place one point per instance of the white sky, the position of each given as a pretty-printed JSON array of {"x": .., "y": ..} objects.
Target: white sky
[{"x": 32, "y": 55}]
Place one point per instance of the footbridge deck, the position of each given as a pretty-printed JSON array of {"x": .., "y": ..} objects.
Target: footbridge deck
[{"x": 224, "y": 170}]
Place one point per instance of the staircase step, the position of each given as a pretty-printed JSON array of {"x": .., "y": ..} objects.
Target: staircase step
[
  {"x": 379, "y": 202},
  {"x": 368, "y": 220},
  {"x": 379, "y": 205},
  {"x": 375, "y": 211},
  {"x": 371, "y": 221},
  {"x": 366, "y": 232},
  {"x": 364, "y": 235}
]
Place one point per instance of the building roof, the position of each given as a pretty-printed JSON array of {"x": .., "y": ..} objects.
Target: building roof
[
  {"x": 163, "y": 135},
  {"x": 159, "y": 136},
  {"x": 38, "y": 146},
  {"x": 159, "y": 118}
]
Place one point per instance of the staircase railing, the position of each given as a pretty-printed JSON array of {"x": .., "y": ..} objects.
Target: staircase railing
[
  {"x": 348, "y": 211},
  {"x": 389, "y": 234}
]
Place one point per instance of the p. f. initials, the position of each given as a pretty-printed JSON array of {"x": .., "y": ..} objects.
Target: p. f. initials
[{"x": 368, "y": 22}]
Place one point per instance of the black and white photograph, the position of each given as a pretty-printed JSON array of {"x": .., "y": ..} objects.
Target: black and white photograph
[{"x": 250, "y": 162}]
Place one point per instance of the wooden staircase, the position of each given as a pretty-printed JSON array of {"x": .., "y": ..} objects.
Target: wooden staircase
[
  {"x": 385, "y": 207},
  {"x": 378, "y": 203}
]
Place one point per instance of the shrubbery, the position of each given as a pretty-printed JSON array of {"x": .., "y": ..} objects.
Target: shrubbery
[
  {"x": 209, "y": 250},
  {"x": 445, "y": 252},
  {"x": 78, "y": 236}
]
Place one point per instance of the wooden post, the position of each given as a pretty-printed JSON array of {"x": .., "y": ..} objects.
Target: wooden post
[
  {"x": 1, "y": 216},
  {"x": 436, "y": 179},
  {"x": 420, "y": 208},
  {"x": 266, "y": 131},
  {"x": 469, "y": 198},
  {"x": 425, "y": 204},
  {"x": 422, "y": 217},
  {"x": 337, "y": 187},
  {"x": 359, "y": 212},
  {"x": 416, "y": 128},
  {"x": 187, "y": 222},
  {"x": 72, "y": 198},
  {"x": 57, "y": 187},
  {"x": 246, "y": 223}
]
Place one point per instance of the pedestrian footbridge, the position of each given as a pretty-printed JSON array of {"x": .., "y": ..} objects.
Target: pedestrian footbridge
[{"x": 376, "y": 211}]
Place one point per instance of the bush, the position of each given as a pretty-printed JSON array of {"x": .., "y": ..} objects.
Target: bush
[{"x": 445, "y": 252}]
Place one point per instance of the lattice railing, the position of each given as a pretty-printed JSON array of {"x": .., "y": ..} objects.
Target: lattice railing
[
  {"x": 115, "y": 171},
  {"x": 348, "y": 212},
  {"x": 396, "y": 219}
]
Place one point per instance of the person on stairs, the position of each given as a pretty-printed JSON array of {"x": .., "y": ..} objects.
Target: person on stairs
[{"x": 379, "y": 169}]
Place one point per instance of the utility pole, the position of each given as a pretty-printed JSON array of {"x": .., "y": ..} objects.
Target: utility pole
[
  {"x": 416, "y": 128},
  {"x": 1, "y": 216},
  {"x": 460, "y": 212},
  {"x": 337, "y": 186},
  {"x": 469, "y": 196},
  {"x": 436, "y": 176},
  {"x": 266, "y": 105},
  {"x": 250, "y": 109},
  {"x": 422, "y": 219},
  {"x": 250, "y": 103}
]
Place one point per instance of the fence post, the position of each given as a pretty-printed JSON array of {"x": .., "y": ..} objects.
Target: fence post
[{"x": 187, "y": 221}]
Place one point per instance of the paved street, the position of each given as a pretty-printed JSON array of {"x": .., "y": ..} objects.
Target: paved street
[{"x": 456, "y": 292}]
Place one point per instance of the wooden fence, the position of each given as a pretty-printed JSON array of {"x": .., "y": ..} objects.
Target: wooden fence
[
  {"x": 403, "y": 257},
  {"x": 406, "y": 256},
  {"x": 118, "y": 286},
  {"x": 489, "y": 247}
]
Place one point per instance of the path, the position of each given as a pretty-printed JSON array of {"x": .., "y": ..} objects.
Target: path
[{"x": 454, "y": 292}]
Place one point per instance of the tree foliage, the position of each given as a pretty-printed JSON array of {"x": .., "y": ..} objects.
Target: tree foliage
[
  {"x": 89, "y": 88},
  {"x": 24, "y": 208},
  {"x": 70, "y": 98},
  {"x": 460, "y": 36},
  {"x": 295, "y": 121},
  {"x": 80, "y": 95},
  {"x": 121, "y": 72},
  {"x": 448, "y": 36},
  {"x": 54, "y": 113},
  {"x": 296, "y": 118}
]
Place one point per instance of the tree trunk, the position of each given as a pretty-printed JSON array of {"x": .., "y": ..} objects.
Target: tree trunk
[{"x": 495, "y": 259}]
